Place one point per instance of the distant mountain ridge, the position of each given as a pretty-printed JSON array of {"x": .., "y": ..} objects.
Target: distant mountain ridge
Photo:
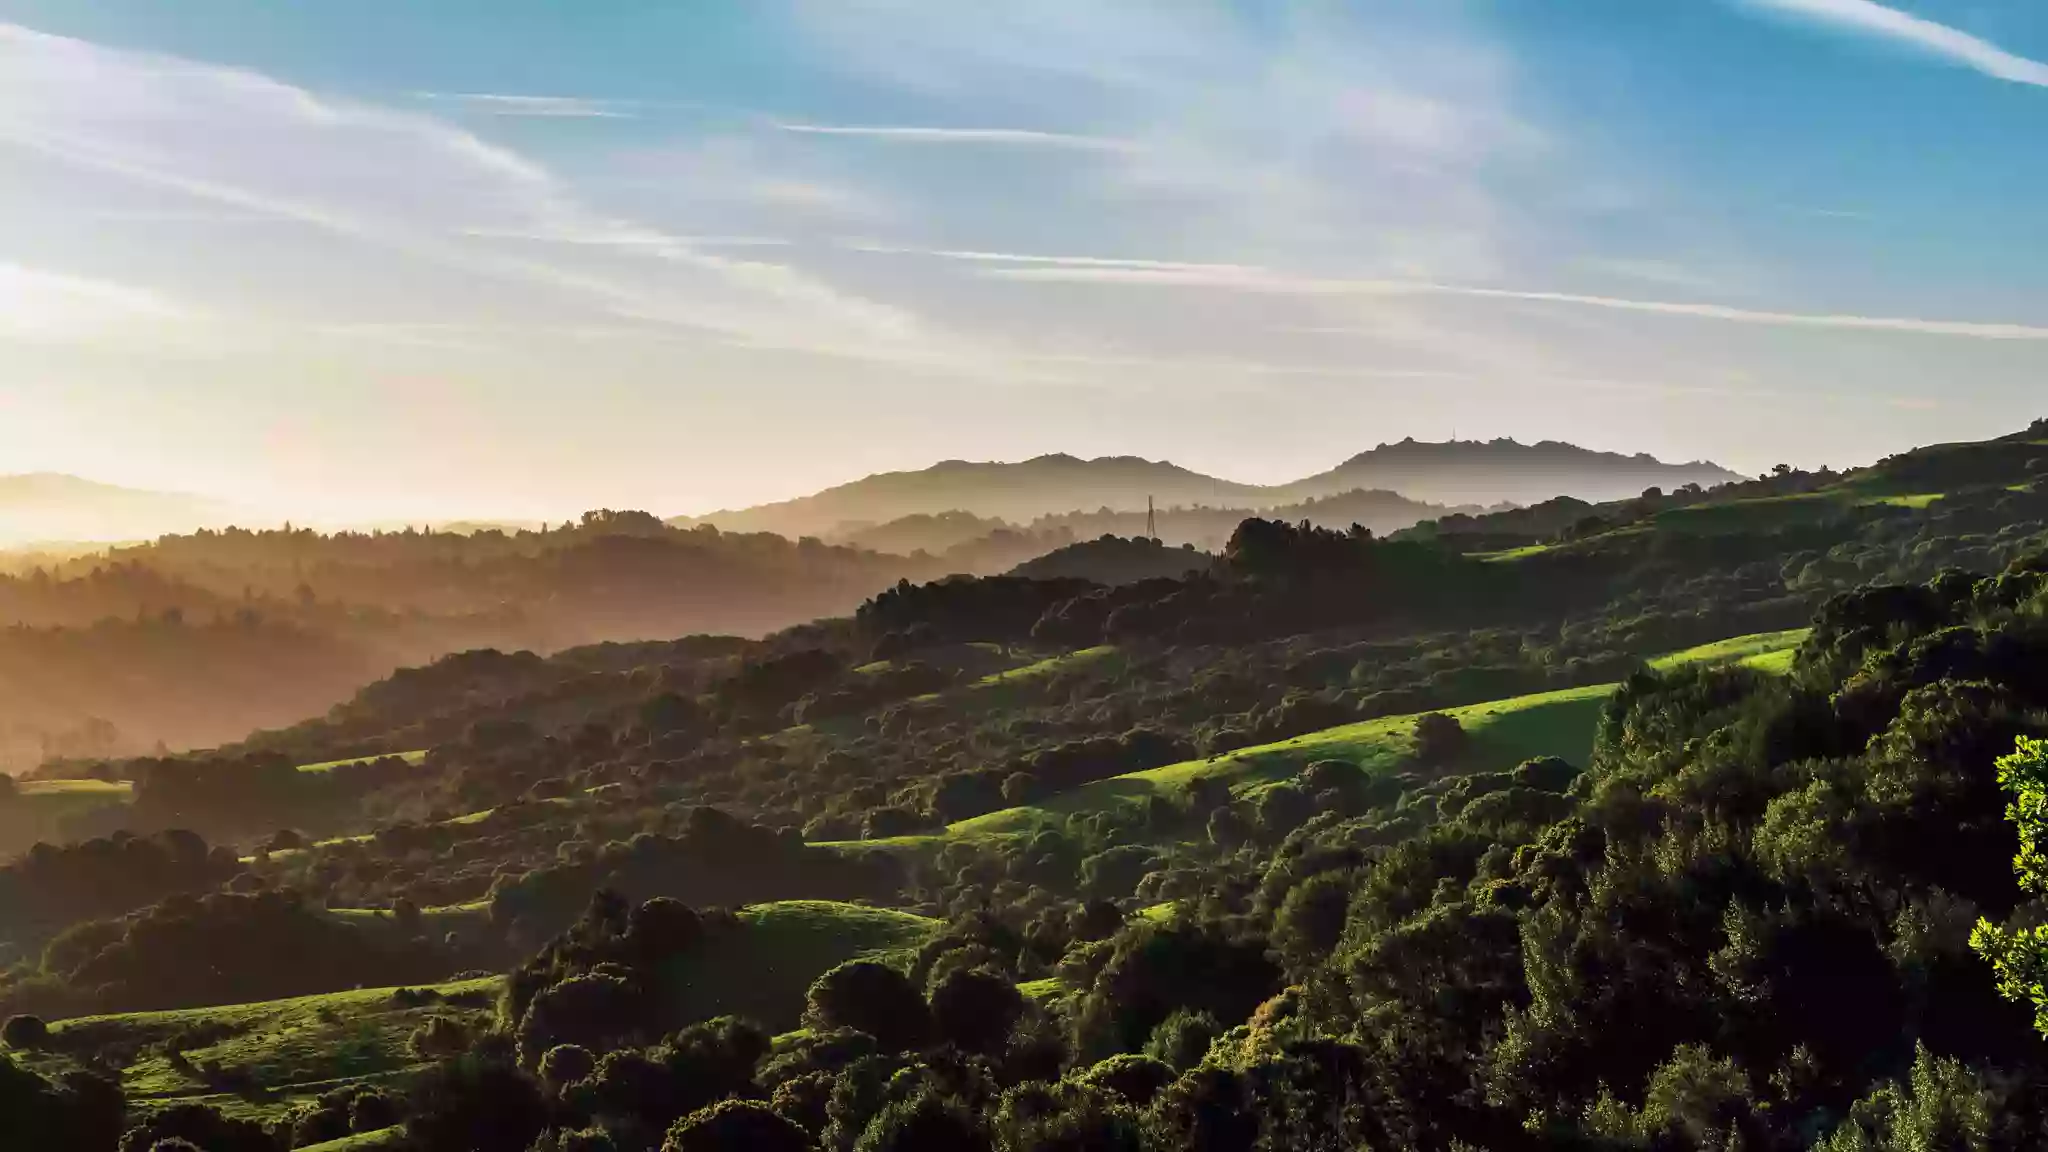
[
  {"x": 1015, "y": 492},
  {"x": 1505, "y": 470},
  {"x": 1428, "y": 475},
  {"x": 45, "y": 507}
]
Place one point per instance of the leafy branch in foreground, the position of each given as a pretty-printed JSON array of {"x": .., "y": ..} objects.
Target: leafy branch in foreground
[{"x": 2021, "y": 954}]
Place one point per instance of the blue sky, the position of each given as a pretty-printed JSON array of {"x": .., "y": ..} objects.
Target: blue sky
[{"x": 518, "y": 258}]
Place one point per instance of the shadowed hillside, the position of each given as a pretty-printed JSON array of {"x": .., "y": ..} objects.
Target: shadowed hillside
[{"x": 197, "y": 639}]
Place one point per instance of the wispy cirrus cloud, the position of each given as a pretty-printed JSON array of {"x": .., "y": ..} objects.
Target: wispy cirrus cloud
[
  {"x": 924, "y": 134},
  {"x": 549, "y": 107},
  {"x": 1664, "y": 273},
  {"x": 1265, "y": 281},
  {"x": 50, "y": 306},
  {"x": 1023, "y": 258},
  {"x": 406, "y": 185},
  {"x": 1381, "y": 135},
  {"x": 1868, "y": 18},
  {"x": 615, "y": 238}
]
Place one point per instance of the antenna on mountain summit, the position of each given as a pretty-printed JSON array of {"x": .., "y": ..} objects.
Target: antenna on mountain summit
[{"x": 1151, "y": 522}]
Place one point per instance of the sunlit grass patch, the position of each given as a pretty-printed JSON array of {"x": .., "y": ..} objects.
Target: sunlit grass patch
[
  {"x": 1049, "y": 666},
  {"x": 412, "y": 757},
  {"x": 1504, "y": 733},
  {"x": 280, "y": 1050},
  {"x": 1738, "y": 648}
]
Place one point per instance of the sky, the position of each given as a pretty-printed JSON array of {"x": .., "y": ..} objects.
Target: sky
[{"x": 520, "y": 258}]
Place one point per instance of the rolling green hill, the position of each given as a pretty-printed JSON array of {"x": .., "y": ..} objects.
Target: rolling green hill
[
  {"x": 39, "y": 808},
  {"x": 1049, "y": 666},
  {"x": 362, "y": 1142},
  {"x": 412, "y": 757},
  {"x": 1762, "y": 650},
  {"x": 1504, "y": 733},
  {"x": 263, "y": 1058}
]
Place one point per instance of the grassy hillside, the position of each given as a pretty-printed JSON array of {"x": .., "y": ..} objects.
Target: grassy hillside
[
  {"x": 79, "y": 791},
  {"x": 1954, "y": 482},
  {"x": 39, "y": 808},
  {"x": 434, "y": 921},
  {"x": 262, "y": 1059},
  {"x": 1049, "y": 666},
  {"x": 265, "y": 1057},
  {"x": 1762, "y": 650},
  {"x": 412, "y": 757},
  {"x": 382, "y": 1138},
  {"x": 1504, "y": 733}
]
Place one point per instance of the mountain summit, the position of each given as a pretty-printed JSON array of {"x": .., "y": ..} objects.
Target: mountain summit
[
  {"x": 1493, "y": 471},
  {"x": 1017, "y": 492},
  {"x": 1460, "y": 472}
]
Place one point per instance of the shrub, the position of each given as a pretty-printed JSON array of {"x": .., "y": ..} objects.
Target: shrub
[
  {"x": 1311, "y": 919},
  {"x": 1116, "y": 872},
  {"x": 565, "y": 1064},
  {"x": 736, "y": 1126},
  {"x": 1546, "y": 774},
  {"x": 372, "y": 1112},
  {"x": 1228, "y": 828},
  {"x": 479, "y": 1102},
  {"x": 1135, "y": 1078},
  {"x": 24, "y": 1032},
  {"x": 196, "y": 1126},
  {"x": 1283, "y": 808},
  {"x": 1326, "y": 774},
  {"x": 576, "y": 1140},
  {"x": 595, "y": 1011},
  {"x": 1071, "y": 1114},
  {"x": 924, "y": 1121},
  {"x": 1182, "y": 1040},
  {"x": 439, "y": 1037},
  {"x": 895, "y": 820},
  {"x": 1440, "y": 739}
]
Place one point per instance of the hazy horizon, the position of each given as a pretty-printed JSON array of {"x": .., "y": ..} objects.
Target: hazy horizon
[
  {"x": 258, "y": 514},
  {"x": 345, "y": 270}
]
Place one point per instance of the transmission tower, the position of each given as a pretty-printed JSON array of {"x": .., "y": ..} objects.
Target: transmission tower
[{"x": 1151, "y": 522}]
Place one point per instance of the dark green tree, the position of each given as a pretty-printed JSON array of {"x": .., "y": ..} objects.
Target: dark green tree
[
  {"x": 871, "y": 997},
  {"x": 736, "y": 1126},
  {"x": 975, "y": 1009}
]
